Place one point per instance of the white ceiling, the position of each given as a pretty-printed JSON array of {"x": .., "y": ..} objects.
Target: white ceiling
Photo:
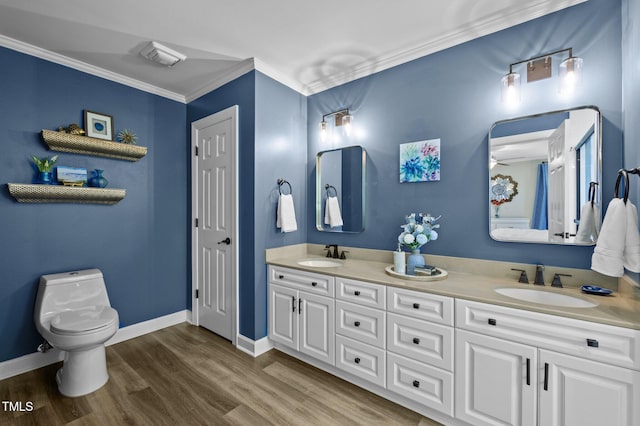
[{"x": 308, "y": 46}]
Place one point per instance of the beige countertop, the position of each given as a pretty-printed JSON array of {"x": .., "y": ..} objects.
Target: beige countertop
[{"x": 619, "y": 309}]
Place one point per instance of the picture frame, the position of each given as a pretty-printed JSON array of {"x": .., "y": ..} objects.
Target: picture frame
[
  {"x": 420, "y": 161},
  {"x": 98, "y": 125}
]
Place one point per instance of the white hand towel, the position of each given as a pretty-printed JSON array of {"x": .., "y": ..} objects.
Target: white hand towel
[
  {"x": 286, "y": 217},
  {"x": 332, "y": 214},
  {"x": 588, "y": 230},
  {"x": 608, "y": 255},
  {"x": 632, "y": 243}
]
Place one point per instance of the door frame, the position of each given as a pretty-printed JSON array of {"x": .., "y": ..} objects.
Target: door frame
[{"x": 232, "y": 113}]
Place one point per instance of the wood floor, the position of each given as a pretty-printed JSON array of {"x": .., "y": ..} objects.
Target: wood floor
[{"x": 185, "y": 375}]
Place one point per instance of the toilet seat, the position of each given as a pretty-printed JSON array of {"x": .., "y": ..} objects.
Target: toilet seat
[{"x": 83, "y": 321}]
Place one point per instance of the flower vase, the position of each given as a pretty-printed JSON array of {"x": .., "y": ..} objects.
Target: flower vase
[
  {"x": 45, "y": 178},
  {"x": 414, "y": 259},
  {"x": 98, "y": 181}
]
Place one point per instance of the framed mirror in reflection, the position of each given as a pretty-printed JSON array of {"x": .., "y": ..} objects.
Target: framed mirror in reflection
[
  {"x": 555, "y": 158},
  {"x": 340, "y": 189}
]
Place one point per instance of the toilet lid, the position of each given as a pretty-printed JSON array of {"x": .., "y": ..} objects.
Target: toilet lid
[{"x": 78, "y": 321}]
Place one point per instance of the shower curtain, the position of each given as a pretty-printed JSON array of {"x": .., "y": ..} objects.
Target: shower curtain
[{"x": 539, "y": 216}]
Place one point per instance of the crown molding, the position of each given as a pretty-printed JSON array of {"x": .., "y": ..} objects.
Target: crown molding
[
  {"x": 59, "y": 59},
  {"x": 280, "y": 77},
  {"x": 227, "y": 76},
  {"x": 480, "y": 29}
]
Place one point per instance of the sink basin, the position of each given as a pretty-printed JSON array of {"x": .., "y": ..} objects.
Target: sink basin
[
  {"x": 545, "y": 297},
  {"x": 320, "y": 263}
]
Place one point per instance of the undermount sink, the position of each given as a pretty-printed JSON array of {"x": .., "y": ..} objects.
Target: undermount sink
[
  {"x": 545, "y": 297},
  {"x": 320, "y": 263}
]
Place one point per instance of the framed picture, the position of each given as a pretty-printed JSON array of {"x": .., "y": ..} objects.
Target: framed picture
[
  {"x": 420, "y": 161},
  {"x": 98, "y": 125}
]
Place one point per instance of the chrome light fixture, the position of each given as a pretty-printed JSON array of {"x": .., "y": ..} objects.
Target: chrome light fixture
[
  {"x": 341, "y": 118},
  {"x": 161, "y": 54},
  {"x": 540, "y": 68}
]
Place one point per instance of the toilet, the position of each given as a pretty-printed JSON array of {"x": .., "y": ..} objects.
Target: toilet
[{"x": 73, "y": 314}]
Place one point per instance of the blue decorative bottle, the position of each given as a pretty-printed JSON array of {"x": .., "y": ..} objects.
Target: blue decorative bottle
[
  {"x": 98, "y": 181},
  {"x": 414, "y": 259}
]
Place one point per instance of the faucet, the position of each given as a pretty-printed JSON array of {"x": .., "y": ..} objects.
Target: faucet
[
  {"x": 335, "y": 250},
  {"x": 539, "y": 280}
]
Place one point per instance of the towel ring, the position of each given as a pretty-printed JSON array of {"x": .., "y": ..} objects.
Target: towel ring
[
  {"x": 622, "y": 173},
  {"x": 327, "y": 187},
  {"x": 282, "y": 182}
]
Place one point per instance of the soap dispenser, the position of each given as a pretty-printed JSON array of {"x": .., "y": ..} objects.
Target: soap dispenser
[{"x": 398, "y": 261}]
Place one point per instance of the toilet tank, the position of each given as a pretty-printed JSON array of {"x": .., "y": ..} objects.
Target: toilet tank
[{"x": 71, "y": 290}]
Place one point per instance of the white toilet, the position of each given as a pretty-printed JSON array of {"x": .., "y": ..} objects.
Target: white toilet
[{"x": 73, "y": 314}]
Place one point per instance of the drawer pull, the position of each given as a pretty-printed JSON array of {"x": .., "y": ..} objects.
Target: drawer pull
[
  {"x": 281, "y": 277},
  {"x": 416, "y": 306},
  {"x": 314, "y": 284},
  {"x": 546, "y": 376},
  {"x": 299, "y": 305},
  {"x": 593, "y": 343},
  {"x": 491, "y": 321},
  {"x": 416, "y": 384},
  {"x": 357, "y": 323},
  {"x": 293, "y": 303},
  {"x": 357, "y": 360},
  {"x": 528, "y": 372},
  {"x": 357, "y": 292},
  {"x": 416, "y": 340}
]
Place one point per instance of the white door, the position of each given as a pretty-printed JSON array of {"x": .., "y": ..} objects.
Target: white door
[
  {"x": 586, "y": 393},
  {"x": 495, "y": 381},
  {"x": 556, "y": 185},
  {"x": 317, "y": 326},
  {"x": 283, "y": 315},
  {"x": 214, "y": 139}
]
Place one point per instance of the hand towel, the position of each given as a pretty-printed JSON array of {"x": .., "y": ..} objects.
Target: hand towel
[
  {"x": 332, "y": 214},
  {"x": 632, "y": 244},
  {"x": 608, "y": 255},
  {"x": 286, "y": 216},
  {"x": 588, "y": 229}
]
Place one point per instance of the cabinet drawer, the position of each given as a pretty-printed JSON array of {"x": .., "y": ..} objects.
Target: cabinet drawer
[
  {"x": 361, "y": 360},
  {"x": 421, "y": 340},
  {"x": 422, "y": 383},
  {"x": 360, "y": 323},
  {"x": 302, "y": 280},
  {"x": 430, "y": 307},
  {"x": 362, "y": 293},
  {"x": 600, "y": 342}
]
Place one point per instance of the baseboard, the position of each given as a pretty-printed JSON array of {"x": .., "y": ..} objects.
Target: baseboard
[
  {"x": 36, "y": 360},
  {"x": 254, "y": 347}
]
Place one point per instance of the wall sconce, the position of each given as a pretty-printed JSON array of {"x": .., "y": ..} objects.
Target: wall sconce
[
  {"x": 342, "y": 118},
  {"x": 539, "y": 68}
]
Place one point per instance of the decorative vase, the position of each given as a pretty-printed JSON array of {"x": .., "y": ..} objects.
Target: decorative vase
[
  {"x": 98, "y": 181},
  {"x": 414, "y": 259},
  {"x": 45, "y": 178},
  {"x": 496, "y": 212}
]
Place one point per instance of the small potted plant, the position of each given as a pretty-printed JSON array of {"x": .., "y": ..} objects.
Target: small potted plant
[{"x": 45, "y": 169}]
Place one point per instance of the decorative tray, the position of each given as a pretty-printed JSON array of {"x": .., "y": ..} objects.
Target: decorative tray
[{"x": 441, "y": 275}]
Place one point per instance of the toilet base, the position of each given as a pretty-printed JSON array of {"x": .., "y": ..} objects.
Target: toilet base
[{"x": 83, "y": 371}]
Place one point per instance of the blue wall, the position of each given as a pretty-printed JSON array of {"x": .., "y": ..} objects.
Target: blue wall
[
  {"x": 454, "y": 95},
  {"x": 140, "y": 244}
]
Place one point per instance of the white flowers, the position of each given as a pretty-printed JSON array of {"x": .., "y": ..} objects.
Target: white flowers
[{"x": 418, "y": 231}]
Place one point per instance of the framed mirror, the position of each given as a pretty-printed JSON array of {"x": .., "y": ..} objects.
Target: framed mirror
[
  {"x": 544, "y": 178},
  {"x": 340, "y": 189}
]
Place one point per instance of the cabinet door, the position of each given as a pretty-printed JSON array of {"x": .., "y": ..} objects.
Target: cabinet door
[
  {"x": 283, "y": 315},
  {"x": 317, "y": 327},
  {"x": 495, "y": 381},
  {"x": 578, "y": 392}
]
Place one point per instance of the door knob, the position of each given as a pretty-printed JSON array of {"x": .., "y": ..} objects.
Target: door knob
[{"x": 225, "y": 241}]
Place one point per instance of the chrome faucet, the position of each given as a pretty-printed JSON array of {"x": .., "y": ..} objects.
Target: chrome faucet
[{"x": 539, "y": 280}]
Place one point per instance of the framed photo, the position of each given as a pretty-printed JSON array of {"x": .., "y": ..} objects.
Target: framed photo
[
  {"x": 420, "y": 161},
  {"x": 98, "y": 125}
]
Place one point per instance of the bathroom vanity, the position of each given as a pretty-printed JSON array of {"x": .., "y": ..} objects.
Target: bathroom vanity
[{"x": 456, "y": 350}]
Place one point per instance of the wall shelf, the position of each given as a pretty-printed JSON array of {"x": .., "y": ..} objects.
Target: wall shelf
[
  {"x": 66, "y": 142},
  {"x": 30, "y": 193}
]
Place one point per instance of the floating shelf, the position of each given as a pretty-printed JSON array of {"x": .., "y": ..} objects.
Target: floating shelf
[
  {"x": 66, "y": 142},
  {"x": 28, "y": 193}
]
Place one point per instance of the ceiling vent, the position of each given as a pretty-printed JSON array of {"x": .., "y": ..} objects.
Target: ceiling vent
[{"x": 162, "y": 54}]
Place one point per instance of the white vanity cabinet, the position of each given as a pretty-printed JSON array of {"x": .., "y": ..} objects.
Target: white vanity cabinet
[
  {"x": 516, "y": 367},
  {"x": 301, "y": 315}
]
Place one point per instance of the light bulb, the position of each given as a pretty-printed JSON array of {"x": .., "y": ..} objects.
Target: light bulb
[
  {"x": 570, "y": 75},
  {"x": 510, "y": 89},
  {"x": 346, "y": 122},
  {"x": 323, "y": 131}
]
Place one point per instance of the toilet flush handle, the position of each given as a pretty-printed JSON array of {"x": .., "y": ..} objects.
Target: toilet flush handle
[{"x": 226, "y": 241}]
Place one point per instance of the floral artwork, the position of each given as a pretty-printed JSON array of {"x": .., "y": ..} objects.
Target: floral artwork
[{"x": 420, "y": 161}]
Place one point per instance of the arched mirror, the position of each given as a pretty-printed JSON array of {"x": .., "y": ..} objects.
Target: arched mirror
[{"x": 544, "y": 178}]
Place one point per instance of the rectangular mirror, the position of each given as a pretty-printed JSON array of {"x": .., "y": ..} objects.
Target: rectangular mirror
[
  {"x": 544, "y": 178},
  {"x": 340, "y": 189}
]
